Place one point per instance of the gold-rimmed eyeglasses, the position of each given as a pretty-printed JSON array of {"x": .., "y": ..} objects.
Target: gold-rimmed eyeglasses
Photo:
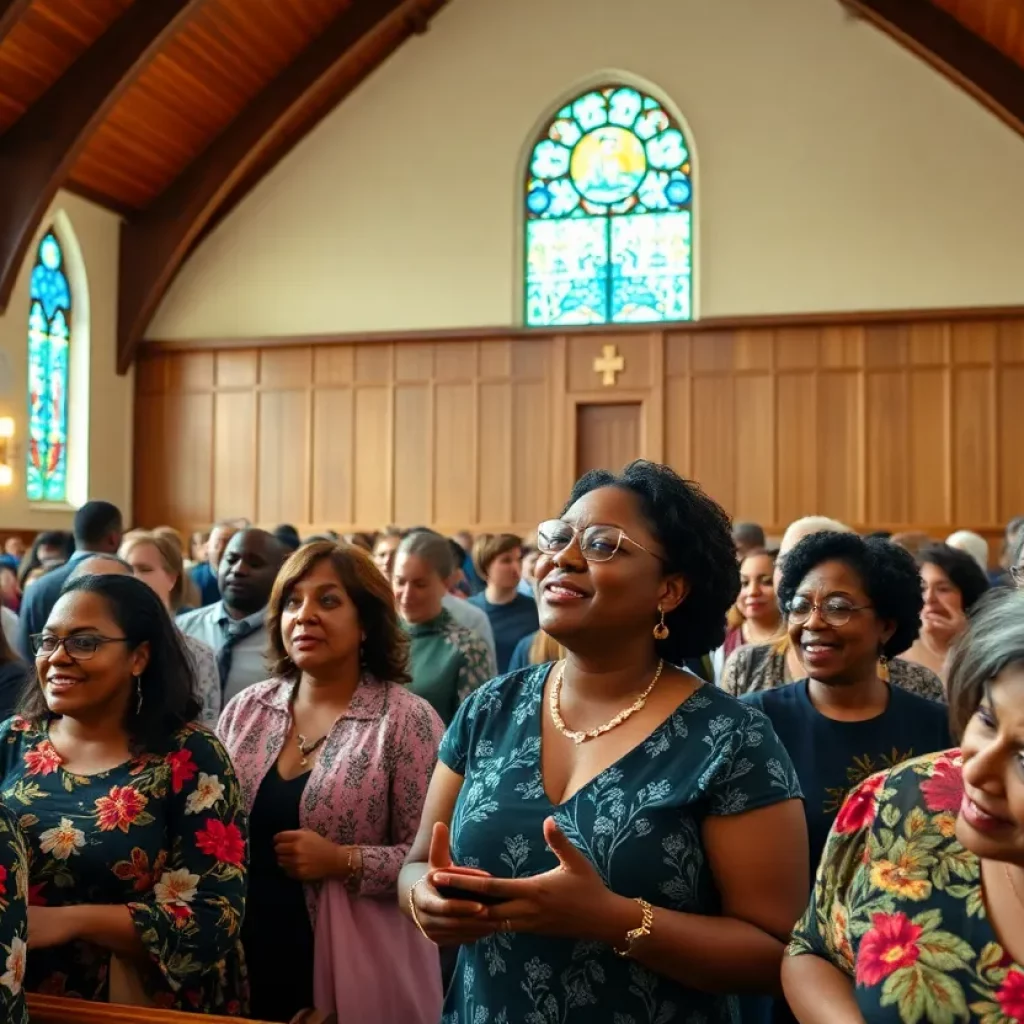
[
  {"x": 834, "y": 611},
  {"x": 598, "y": 543}
]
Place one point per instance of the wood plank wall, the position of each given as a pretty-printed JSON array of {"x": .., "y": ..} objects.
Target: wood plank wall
[{"x": 904, "y": 424}]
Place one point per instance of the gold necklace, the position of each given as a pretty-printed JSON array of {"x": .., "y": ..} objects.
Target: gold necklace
[
  {"x": 306, "y": 748},
  {"x": 591, "y": 734}
]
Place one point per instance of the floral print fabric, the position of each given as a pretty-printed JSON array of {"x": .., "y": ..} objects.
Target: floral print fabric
[
  {"x": 898, "y": 905},
  {"x": 639, "y": 822},
  {"x": 165, "y": 835},
  {"x": 13, "y": 919}
]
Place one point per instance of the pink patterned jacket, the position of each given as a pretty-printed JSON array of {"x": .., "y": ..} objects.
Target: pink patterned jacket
[{"x": 369, "y": 782}]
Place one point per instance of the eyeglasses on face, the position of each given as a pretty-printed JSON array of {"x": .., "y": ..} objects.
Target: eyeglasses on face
[
  {"x": 80, "y": 647},
  {"x": 834, "y": 611},
  {"x": 597, "y": 543}
]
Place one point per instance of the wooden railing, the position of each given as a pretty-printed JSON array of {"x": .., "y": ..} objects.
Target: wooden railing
[{"x": 55, "y": 1010}]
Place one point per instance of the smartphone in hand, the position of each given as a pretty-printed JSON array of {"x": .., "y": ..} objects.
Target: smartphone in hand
[{"x": 453, "y": 892}]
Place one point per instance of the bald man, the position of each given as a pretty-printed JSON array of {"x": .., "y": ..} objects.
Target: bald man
[{"x": 235, "y": 627}]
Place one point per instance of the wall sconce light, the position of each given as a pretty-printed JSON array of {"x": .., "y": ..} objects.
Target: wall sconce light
[{"x": 6, "y": 451}]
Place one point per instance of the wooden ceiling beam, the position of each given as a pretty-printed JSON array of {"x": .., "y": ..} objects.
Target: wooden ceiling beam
[
  {"x": 38, "y": 152},
  {"x": 10, "y": 12},
  {"x": 154, "y": 243},
  {"x": 983, "y": 70}
]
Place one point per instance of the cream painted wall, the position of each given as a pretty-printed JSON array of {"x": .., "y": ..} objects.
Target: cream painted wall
[
  {"x": 836, "y": 172},
  {"x": 101, "y": 402}
]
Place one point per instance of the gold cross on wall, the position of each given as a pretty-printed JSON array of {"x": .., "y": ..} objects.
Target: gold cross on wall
[{"x": 608, "y": 364}]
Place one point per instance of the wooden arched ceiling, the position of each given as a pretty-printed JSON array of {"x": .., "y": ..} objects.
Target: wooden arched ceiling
[{"x": 168, "y": 112}]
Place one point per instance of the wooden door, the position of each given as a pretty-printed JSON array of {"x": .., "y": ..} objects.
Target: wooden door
[{"x": 607, "y": 436}]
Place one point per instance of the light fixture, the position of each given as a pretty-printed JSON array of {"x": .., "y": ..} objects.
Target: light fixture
[{"x": 6, "y": 451}]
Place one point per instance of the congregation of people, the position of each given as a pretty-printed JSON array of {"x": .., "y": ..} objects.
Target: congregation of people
[{"x": 642, "y": 765}]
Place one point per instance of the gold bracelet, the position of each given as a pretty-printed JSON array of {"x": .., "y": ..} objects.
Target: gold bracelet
[
  {"x": 412, "y": 908},
  {"x": 634, "y": 936}
]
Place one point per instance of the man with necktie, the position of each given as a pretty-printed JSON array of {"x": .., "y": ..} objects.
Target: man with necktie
[{"x": 235, "y": 626}]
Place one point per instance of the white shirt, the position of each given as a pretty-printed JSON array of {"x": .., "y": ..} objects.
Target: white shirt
[
  {"x": 471, "y": 617},
  {"x": 248, "y": 656}
]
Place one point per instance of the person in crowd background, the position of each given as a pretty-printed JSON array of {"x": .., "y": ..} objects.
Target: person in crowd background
[
  {"x": 97, "y": 530},
  {"x": 288, "y": 537},
  {"x": 334, "y": 756},
  {"x": 512, "y": 615},
  {"x": 916, "y": 910},
  {"x": 953, "y": 584},
  {"x": 973, "y": 544},
  {"x": 133, "y": 815},
  {"x": 235, "y": 627},
  {"x": 48, "y": 550},
  {"x": 755, "y": 617},
  {"x": 662, "y": 824},
  {"x": 748, "y": 537},
  {"x": 384, "y": 549},
  {"x": 447, "y": 661},
  {"x": 913, "y": 541},
  {"x": 205, "y": 574}
]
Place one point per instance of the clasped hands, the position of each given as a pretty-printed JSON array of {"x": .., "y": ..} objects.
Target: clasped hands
[{"x": 570, "y": 900}]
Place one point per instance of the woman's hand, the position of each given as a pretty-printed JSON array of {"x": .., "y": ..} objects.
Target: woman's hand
[
  {"x": 52, "y": 926},
  {"x": 943, "y": 625},
  {"x": 308, "y": 857},
  {"x": 449, "y": 922},
  {"x": 570, "y": 900}
]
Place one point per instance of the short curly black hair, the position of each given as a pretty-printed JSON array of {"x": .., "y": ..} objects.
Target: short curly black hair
[
  {"x": 695, "y": 535},
  {"x": 889, "y": 574},
  {"x": 963, "y": 571}
]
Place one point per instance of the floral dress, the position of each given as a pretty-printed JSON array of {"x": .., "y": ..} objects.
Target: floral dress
[
  {"x": 898, "y": 905},
  {"x": 639, "y": 822},
  {"x": 13, "y": 919},
  {"x": 165, "y": 835}
]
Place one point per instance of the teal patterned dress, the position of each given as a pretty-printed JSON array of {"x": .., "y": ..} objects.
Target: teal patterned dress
[
  {"x": 639, "y": 823},
  {"x": 13, "y": 919}
]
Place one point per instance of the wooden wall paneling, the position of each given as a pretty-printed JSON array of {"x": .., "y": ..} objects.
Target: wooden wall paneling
[
  {"x": 494, "y": 458},
  {"x": 839, "y": 420},
  {"x": 235, "y": 441},
  {"x": 373, "y": 424},
  {"x": 714, "y": 435},
  {"x": 188, "y": 462},
  {"x": 654, "y": 406},
  {"x": 414, "y": 467},
  {"x": 532, "y": 454},
  {"x": 755, "y": 456},
  {"x": 678, "y": 405},
  {"x": 885, "y": 416},
  {"x": 153, "y": 478},
  {"x": 282, "y": 460},
  {"x": 799, "y": 446},
  {"x": 928, "y": 437},
  {"x": 973, "y": 462},
  {"x": 562, "y": 424},
  {"x": 333, "y": 456},
  {"x": 454, "y": 478}
]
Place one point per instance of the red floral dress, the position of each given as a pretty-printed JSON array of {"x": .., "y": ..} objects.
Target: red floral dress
[
  {"x": 13, "y": 919},
  {"x": 165, "y": 835},
  {"x": 898, "y": 905}
]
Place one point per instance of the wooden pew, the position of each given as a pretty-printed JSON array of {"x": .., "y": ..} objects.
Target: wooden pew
[{"x": 55, "y": 1010}]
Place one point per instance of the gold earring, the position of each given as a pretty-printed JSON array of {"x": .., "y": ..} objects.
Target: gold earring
[
  {"x": 883, "y": 668},
  {"x": 661, "y": 631}
]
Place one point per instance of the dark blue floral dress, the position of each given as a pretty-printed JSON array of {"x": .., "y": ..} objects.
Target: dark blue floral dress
[
  {"x": 639, "y": 823},
  {"x": 163, "y": 834},
  {"x": 13, "y": 919}
]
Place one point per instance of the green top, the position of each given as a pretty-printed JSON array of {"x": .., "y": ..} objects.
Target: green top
[{"x": 448, "y": 662}]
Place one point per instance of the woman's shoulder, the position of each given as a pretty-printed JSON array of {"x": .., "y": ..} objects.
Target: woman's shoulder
[
  {"x": 197, "y": 647},
  {"x": 514, "y": 691},
  {"x": 404, "y": 708},
  {"x": 917, "y": 679},
  {"x": 462, "y": 638}
]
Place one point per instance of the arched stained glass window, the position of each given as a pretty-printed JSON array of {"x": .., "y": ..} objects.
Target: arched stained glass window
[
  {"x": 609, "y": 214},
  {"x": 49, "y": 341}
]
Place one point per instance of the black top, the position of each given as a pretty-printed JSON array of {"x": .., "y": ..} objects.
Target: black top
[
  {"x": 280, "y": 971},
  {"x": 13, "y": 677}
]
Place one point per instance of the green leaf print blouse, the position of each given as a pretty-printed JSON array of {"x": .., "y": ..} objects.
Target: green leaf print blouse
[
  {"x": 13, "y": 919},
  {"x": 163, "y": 834},
  {"x": 898, "y": 905},
  {"x": 639, "y": 823}
]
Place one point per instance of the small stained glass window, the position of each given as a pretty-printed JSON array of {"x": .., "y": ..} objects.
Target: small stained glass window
[
  {"x": 609, "y": 214},
  {"x": 49, "y": 342}
]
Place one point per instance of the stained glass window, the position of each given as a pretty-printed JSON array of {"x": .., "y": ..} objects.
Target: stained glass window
[
  {"x": 49, "y": 340},
  {"x": 609, "y": 214}
]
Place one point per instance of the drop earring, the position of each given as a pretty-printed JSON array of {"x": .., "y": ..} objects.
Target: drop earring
[
  {"x": 883, "y": 666},
  {"x": 138, "y": 692},
  {"x": 661, "y": 631}
]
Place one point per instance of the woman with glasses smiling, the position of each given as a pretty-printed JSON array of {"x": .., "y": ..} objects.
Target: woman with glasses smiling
[
  {"x": 608, "y": 838},
  {"x": 133, "y": 816}
]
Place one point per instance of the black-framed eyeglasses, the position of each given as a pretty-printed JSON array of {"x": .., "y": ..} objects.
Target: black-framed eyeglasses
[
  {"x": 598, "y": 543},
  {"x": 835, "y": 611},
  {"x": 80, "y": 647}
]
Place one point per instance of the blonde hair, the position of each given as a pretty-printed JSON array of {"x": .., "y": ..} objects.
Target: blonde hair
[
  {"x": 170, "y": 555},
  {"x": 544, "y": 649}
]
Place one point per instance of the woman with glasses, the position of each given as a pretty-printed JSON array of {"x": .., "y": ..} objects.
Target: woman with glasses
[
  {"x": 917, "y": 910},
  {"x": 133, "y": 816},
  {"x": 608, "y": 838},
  {"x": 851, "y": 605}
]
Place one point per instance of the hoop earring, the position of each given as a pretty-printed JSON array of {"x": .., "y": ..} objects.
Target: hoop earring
[
  {"x": 883, "y": 667},
  {"x": 138, "y": 692},
  {"x": 661, "y": 631}
]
